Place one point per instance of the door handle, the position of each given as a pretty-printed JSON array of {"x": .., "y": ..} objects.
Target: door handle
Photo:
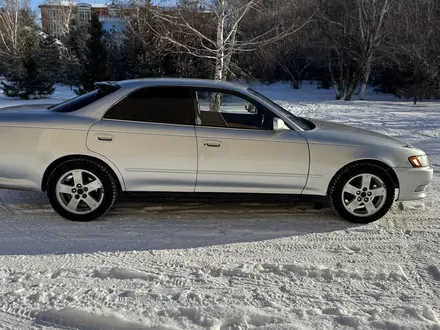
[
  {"x": 105, "y": 138},
  {"x": 212, "y": 143}
]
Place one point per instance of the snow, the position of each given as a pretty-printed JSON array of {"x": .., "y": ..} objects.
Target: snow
[
  {"x": 61, "y": 93},
  {"x": 173, "y": 264}
]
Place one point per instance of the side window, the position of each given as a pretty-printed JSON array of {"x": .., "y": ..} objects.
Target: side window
[
  {"x": 222, "y": 109},
  {"x": 166, "y": 105}
]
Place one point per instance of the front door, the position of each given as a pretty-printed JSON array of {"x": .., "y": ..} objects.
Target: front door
[
  {"x": 150, "y": 137},
  {"x": 238, "y": 150}
]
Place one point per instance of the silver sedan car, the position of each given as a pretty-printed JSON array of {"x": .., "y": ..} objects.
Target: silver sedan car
[{"x": 185, "y": 135}]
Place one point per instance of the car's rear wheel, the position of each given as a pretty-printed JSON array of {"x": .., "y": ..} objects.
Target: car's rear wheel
[
  {"x": 362, "y": 193},
  {"x": 81, "y": 189}
]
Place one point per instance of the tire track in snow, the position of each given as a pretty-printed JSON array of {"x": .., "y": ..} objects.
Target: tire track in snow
[{"x": 13, "y": 319}]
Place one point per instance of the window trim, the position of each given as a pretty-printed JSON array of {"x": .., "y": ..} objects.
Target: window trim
[
  {"x": 193, "y": 114},
  {"x": 234, "y": 93}
]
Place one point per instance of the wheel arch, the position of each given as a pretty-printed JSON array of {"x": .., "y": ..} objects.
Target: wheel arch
[
  {"x": 59, "y": 161},
  {"x": 376, "y": 162}
]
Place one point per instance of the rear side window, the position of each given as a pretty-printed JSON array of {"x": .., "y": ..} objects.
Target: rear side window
[{"x": 165, "y": 105}]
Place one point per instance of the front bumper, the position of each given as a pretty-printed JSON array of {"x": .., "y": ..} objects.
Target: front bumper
[{"x": 413, "y": 182}]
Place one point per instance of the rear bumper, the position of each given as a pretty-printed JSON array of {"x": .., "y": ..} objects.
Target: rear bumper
[{"x": 413, "y": 182}]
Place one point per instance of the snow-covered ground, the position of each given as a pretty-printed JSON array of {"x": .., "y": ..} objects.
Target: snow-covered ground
[{"x": 217, "y": 265}]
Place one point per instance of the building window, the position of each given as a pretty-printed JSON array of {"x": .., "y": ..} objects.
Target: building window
[
  {"x": 54, "y": 14},
  {"x": 84, "y": 17},
  {"x": 54, "y": 21}
]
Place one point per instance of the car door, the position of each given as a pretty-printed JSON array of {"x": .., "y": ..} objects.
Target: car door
[
  {"x": 150, "y": 137},
  {"x": 238, "y": 150}
]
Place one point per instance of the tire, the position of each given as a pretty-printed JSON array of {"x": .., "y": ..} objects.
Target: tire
[
  {"x": 348, "y": 193},
  {"x": 81, "y": 189}
]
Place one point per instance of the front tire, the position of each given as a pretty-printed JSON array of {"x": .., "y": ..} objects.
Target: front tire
[
  {"x": 81, "y": 190},
  {"x": 362, "y": 193}
]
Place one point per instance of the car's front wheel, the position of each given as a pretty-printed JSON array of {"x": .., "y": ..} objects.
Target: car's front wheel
[
  {"x": 362, "y": 193},
  {"x": 81, "y": 189}
]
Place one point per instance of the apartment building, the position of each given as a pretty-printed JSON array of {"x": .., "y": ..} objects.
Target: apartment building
[{"x": 56, "y": 17}]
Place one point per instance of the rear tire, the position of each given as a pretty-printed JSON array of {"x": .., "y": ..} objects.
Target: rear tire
[
  {"x": 81, "y": 189},
  {"x": 362, "y": 193}
]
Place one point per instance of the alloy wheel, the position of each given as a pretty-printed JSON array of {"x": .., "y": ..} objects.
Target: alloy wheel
[
  {"x": 364, "y": 195},
  {"x": 79, "y": 191}
]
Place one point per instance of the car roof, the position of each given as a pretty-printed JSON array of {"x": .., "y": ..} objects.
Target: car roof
[{"x": 182, "y": 82}]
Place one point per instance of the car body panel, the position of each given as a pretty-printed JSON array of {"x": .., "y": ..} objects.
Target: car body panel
[
  {"x": 161, "y": 157},
  {"x": 33, "y": 138},
  {"x": 334, "y": 146},
  {"x": 242, "y": 160},
  {"x": 151, "y": 157},
  {"x": 339, "y": 134},
  {"x": 34, "y": 150},
  {"x": 413, "y": 182}
]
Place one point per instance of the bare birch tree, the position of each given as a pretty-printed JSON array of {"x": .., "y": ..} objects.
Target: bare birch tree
[
  {"x": 337, "y": 28},
  {"x": 413, "y": 49},
  {"x": 352, "y": 31},
  {"x": 214, "y": 33},
  {"x": 10, "y": 26},
  {"x": 372, "y": 14}
]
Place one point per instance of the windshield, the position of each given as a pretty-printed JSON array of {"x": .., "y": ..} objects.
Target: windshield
[
  {"x": 82, "y": 101},
  {"x": 301, "y": 122}
]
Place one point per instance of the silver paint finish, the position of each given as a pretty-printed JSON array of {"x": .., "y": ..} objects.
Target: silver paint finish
[
  {"x": 410, "y": 179},
  {"x": 160, "y": 157},
  {"x": 151, "y": 157},
  {"x": 334, "y": 146},
  {"x": 32, "y": 139},
  {"x": 251, "y": 161},
  {"x": 364, "y": 195},
  {"x": 79, "y": 192}
]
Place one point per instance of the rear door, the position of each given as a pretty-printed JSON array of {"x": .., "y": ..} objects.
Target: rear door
[
  {"x": 238, "y": 150},
  {"x": 150, "y": 137}
]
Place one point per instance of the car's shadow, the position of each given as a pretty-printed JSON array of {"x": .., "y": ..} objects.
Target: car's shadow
[{"x": 29, "y": 226}]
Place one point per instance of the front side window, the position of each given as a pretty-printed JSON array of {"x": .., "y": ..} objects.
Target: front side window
[
  {"x": 301, "y": 122},
  {"x": 164, "y": 105},
  {"x": 223, "y": 109}
]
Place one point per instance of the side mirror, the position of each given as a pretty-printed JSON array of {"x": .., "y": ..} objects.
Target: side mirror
[
  {"x": 250, "y": 108},
  {"x": 279, "y": 125}
]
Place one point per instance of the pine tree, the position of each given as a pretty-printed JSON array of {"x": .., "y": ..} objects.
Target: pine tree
[
  {"x": 73, "y": 56},
  {"x": 50, "y": 54},
  {"x": 28, "y": 75},
  {"x": 121, "y": 56},
  {"x": 94, "y": 65}
]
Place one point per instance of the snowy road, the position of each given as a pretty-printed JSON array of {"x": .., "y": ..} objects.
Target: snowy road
[
  {"x": 153, "y": 225},
  {"x": 249, "y": 265},
  {"x": 288, "y": 267}
]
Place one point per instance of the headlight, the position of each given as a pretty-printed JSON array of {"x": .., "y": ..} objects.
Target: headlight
[{"x": 419, "y": 161}]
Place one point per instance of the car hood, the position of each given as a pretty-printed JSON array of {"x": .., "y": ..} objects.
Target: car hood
[{"x": 334, "y": 133}]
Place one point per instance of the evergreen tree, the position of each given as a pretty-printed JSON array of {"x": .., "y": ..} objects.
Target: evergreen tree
[
  {"x": 121, "y": 56},
  {"x": 27, "y": 74},
  {"x": 50, "y": 54},
  {"x": 73, "y": 56},
  {"x": 94, "y": 64}
]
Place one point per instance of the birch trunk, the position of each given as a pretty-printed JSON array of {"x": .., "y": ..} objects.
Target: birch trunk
[
  {"x": 366, "y": 77},
  {"x": 230, "y": 52},
  {"x": 220, "y": 58}
]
